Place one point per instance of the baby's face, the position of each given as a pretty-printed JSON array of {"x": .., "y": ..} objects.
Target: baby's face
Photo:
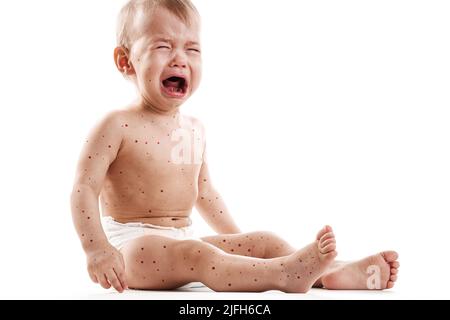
[{"x": 166, "y": 58}]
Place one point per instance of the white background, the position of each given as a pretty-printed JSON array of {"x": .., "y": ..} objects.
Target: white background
[{"x": 317, "y": 112}]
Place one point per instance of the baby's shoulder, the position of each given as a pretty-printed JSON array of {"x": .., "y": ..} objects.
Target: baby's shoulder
[
  {"x": 194, "y": 122},
  {"x": 110, "y": 124},
  {"x": 117, "y": 117}
]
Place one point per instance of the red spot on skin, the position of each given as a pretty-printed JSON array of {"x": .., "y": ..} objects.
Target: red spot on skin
[
  {"x": 204, "y": 180},
  {"x": 224, "y": 240},
  {"x": 143, "y": 192},
  {"x": 90, "y": 157},
  {"x": 164, "y": 247},
  {"x": 89, "y": 218},
  {"x": 202, "y": 198},
  {"x": 120, "y": 172},
  {"x": 192, "y": 269},
  {"x": 91, "y": 240},
  {"x": 249, "y": 250},
  {"x": 126, "y": 125},
  {"x": 221, "y": 211},
  {"x": 162, "y": 190},
  {"x": 232, "y": 250},
  {"x": 154, "y": 261},
  {"x": 135, "y": 141},
  {"x": 82, "y": 211},
  {"x": 239, "y": 245},
  {"x": 256, "y": 280},
  {"x": 142, "y": 249},
  {"x": 229, "y": 284},
  {"x": 146, "y": 142},
  {"x": 109, "y": 146},
  {"x": 157, "y": 270},
  {"x": 78, "y": 191},
  {"x": 149, "y": 211},
  {"x": 142, "y": 261},
  {"x": 214, "y": 268},
  {"x": 158, "y": 142},
  {"x": 82, "y": 235}
]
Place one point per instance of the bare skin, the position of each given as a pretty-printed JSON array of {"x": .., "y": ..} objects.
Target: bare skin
[
  {"x": 161, "y": 263},
  {"x": 340, "y": 276},
  {"x": 129, "y": 164}
]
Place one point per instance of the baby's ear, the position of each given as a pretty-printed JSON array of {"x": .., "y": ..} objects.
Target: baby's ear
[{"x": 123, "y": 64}]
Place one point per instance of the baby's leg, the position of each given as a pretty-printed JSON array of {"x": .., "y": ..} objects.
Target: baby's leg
[
  {"x": 260, "y": 244},
  {"x": 162, "y": 263},
  {"x": 341, "y": 275}
]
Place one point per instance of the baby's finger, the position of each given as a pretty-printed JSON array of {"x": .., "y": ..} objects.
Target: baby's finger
[
  {"x": 103, "y": 281},
  {"x": 121, "y": 276},
  {"x": 93, "y": 277},
  {"x": 112, "y": 279}
]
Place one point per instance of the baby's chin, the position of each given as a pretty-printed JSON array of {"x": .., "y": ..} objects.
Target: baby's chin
[{"x": 165, "y": 104}]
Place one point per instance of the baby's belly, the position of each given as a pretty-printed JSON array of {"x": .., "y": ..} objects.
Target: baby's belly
[{"x": 168, "y": 207}]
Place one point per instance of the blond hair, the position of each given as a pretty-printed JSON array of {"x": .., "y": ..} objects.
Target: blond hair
[{"x": 183, "y": 9}]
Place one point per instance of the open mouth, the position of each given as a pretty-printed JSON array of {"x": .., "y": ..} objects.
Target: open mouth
[{"x": 175, "y": 86}]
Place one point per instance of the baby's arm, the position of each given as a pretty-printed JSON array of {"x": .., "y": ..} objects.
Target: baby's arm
[
  {"x": 211, "y": 206},
  {"x": 105, "y": 263}
]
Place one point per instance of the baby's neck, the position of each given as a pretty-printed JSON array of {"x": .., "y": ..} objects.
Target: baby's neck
[{"x": 149, "y": 109}]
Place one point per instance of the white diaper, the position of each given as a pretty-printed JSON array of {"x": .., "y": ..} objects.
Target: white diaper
[{"x": 120, "y": 233}]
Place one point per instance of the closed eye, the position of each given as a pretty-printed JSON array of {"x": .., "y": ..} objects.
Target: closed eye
[
  {"x": 195, "y": 50},
  {"x": 163, "y": 47}
]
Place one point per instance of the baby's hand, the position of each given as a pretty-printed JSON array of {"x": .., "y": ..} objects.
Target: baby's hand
[{"x": 106, "y": 266}]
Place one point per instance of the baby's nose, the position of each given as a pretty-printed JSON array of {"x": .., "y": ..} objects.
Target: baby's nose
[{"x": 179, "y": 60}]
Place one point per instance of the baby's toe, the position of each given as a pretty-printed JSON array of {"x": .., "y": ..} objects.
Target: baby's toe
[
  {"x": 390, "y": 284},
  {"x": 326, "y": 242},
  {"x": 394, "y": 271},
  {"x": 327, "y": 236},
  {"x": 324, "y": 230},
  {"x": 390, "y": 256},
  {"x": 395, "y": 264},
  {"x": 328, "y": 248}
]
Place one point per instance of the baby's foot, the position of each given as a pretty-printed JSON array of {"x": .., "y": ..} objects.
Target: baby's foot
[
  {"x": 302, "y": 268},
  {"x": 376, "y": 272}
]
